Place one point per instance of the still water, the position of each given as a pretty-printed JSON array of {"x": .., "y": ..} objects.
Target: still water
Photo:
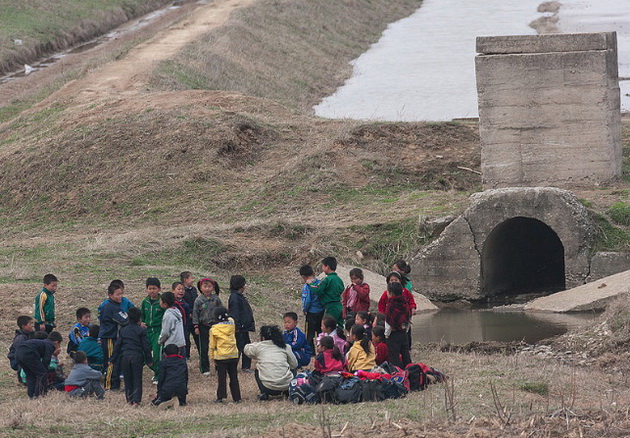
[
  {"x": 463, "y": 326},
  {"x": 422, "y": 68}
]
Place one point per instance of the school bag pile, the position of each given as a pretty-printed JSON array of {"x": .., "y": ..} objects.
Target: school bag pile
[{"x": 383, "y": 382}]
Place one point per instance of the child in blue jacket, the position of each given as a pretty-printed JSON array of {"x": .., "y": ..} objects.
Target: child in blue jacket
[{"x": 296, "y": 338}]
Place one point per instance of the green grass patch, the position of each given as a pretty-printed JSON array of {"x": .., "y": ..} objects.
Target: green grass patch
[
  {"x": 540, "y": 388},
  {"x": 620, "y": 213},
  {"x": 610, "y": 237}
]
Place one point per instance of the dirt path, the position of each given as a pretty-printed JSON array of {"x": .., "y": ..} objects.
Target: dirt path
[
  {"x": 126, "y": 76},
  {"x": 129, "y": 75}
]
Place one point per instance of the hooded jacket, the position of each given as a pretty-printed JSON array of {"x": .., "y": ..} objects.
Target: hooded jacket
[
  {"x": 223, "y": 340},
  {"x": 20, "y": 337},
  {"x": 172, "y": 328}
]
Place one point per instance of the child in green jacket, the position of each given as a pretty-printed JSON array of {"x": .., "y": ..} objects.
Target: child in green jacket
[
  {"x": 151, "y": 315},
  {"x": 92, "y": 349}
]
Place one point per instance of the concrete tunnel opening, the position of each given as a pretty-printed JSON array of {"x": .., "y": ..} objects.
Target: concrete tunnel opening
[{"x": 522, "y": 255}]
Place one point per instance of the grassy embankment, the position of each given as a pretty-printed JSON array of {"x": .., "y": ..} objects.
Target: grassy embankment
[
  {"x": 222, "y": 183},
  {"x": 42, "y": 27}
]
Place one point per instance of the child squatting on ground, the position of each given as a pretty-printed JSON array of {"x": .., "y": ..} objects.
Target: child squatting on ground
[
  {"x": 83, "y": 380},
  {"x": 173, "y": 380}
]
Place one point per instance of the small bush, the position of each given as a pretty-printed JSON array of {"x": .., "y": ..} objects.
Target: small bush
[{"x": 620, "y": 213}]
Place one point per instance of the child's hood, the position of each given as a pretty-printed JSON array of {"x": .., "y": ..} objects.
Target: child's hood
[{"x": 174, "y": 313}]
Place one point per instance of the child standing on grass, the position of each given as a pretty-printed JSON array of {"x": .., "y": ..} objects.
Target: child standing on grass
[
  {"x": 203, "y": 318},
  {"x": 173, "y": 381},
  {"x": 330, "y": 289},
  {"x": 133, "y": 352},
  {"x": 34, "y": 357},
  {"x": 80, "y": 330},
  {"x": 92, "y": 349},
  {"x": 243, "y": 316},
  {"x": 44, "y": 312},
  {"x": 125, "y": 303},
  {"x": 311, "y": 306},
  {"x": 25, "y": 331},
  {"x": 112, "y": 319},
  {"x": 356, "y": 297},
  {"x": 190, "y": 295},
  {"x": 294, "y": 337},
  {"x": 172, "y": 324},
  {"x": 184, "y": 309},
  {"x": 151, "y": 316},
  {"x": 224, "y": 351},
  {"x": 397, "y": 317},
  {"x": 83, "y": 380}
]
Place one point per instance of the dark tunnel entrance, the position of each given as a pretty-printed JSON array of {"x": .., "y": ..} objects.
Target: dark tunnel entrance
[{"x": 522, "y": 255}]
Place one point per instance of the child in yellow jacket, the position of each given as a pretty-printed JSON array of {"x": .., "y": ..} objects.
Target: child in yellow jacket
[
  {"x": 361, "y": 355},
  {"x": 224, "y": 352}
]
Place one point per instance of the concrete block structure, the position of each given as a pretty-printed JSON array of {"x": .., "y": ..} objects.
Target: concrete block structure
[
  {"x": 549, "y": 110},
  {"x": 508, "y": 241}
]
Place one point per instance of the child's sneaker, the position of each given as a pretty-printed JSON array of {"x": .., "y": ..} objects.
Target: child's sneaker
[{"x": 207, "y": 373}]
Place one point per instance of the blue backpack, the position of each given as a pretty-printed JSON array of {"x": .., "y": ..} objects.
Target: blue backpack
[{"x": 301, "y": 391}]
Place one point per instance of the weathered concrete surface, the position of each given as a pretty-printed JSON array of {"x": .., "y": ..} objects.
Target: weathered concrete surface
[
  {"x": 590, "y": 296},
  {"x": 549, "y": 110},
  {"x": 604, "y": 264},
  {"x": 378, "y": 285},
  {"x": 451, "y": 266}
]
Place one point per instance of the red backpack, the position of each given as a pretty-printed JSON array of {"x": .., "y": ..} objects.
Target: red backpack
[{"x": 421, "y": 375}]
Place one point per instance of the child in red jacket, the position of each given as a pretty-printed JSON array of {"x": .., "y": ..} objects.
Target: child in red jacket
[
  {"x": 329, "y": 359},
  {"x": 378, "y": 340},
  {"x": 356, "y": 297}
]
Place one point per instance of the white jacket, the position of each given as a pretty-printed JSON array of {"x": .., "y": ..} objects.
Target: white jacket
[
  {"x": 274, "y": 364},
  {"x": 172, "y": 328}
]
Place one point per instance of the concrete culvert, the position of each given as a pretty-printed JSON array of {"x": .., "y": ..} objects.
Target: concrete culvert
[
  {"x": 508, "y": 241},
  {"x": 522, "y": 255}
]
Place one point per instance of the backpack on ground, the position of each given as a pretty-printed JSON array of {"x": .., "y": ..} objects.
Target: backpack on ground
[
  {"x": 421, "y": 375},
  {"x": 350, "y": 390},
  {"x": 392, "y": 388},
  {"x": 326, "y": 388},
  {"x": 372, "y": 391},
  {"x": 301, "y": 391}
]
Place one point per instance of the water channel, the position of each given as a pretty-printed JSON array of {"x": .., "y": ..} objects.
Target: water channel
[
  {"x": 422, "y": 68},
  {"x": 470, "y": 325}
]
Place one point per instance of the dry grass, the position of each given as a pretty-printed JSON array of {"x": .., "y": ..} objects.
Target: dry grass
[{"x": 291, "y": 51}]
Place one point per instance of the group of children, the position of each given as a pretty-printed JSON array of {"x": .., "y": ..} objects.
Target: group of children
[{"x": 340, "y": 333}]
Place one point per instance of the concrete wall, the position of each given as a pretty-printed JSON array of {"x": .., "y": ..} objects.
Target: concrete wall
[
  {"x": 450, "y": 267},
  {"x": 604, "y": 264},
  {"x": 549, "y": 110}
]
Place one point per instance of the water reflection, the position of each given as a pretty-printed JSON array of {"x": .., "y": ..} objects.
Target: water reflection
[
  {"x": 422, "y": 68},
  {"x": 463, "y": 326}
]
